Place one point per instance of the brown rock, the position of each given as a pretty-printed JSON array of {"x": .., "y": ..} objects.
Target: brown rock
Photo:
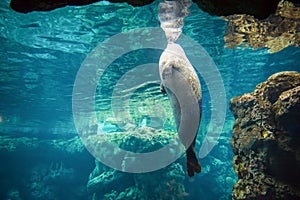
[
  {"x": 266, "y": 140},
  {"x": 276, "y": 32},
  {"x": 287, "y": 108}
]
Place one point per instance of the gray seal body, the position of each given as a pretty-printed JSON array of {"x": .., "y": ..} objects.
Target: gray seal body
[{"x": 180, "y": 82}]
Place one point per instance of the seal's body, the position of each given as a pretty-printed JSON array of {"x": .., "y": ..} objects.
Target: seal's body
[{"x": 181, "y": 83}]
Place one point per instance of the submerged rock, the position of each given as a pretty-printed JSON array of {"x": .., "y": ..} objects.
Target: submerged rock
[
  {"x": 265, "y": 139},
  {"x": 12, "y": 144},
  {"x": 109, "y": 183},
  {"x": 36, "y": 168}
]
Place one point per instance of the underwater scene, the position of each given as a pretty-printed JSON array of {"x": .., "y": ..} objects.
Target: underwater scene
[{"x": 149, "y": 100}]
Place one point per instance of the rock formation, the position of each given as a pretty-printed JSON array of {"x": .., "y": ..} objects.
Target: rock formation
[
  {"x": 276, "y": 32},
  {"x": 266, "y": 139},
  {"x": 108, "y": 183},
  {"x": 35, "y": 168}
]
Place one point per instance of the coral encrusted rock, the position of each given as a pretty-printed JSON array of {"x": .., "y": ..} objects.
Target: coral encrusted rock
[{"x": 266, "y": 140}]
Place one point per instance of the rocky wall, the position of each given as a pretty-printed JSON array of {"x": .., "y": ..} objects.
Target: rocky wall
[{"x": 266, "y": 140}]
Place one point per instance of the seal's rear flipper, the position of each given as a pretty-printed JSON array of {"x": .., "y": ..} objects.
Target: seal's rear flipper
[{"x": 192, "y": 163}]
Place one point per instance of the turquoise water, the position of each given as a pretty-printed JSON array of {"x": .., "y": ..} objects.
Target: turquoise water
[{"x": 41, "y": 53}]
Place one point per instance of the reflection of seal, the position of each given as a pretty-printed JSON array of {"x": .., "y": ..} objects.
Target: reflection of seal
[{"x": 181, "y": 83}]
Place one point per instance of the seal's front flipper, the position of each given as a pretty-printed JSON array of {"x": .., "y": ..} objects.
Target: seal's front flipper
[
  {"x": 162, "y": 89},
  {"x": 192, "y": 162}
]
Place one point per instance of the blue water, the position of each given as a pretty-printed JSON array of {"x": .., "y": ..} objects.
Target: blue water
[{"x": 40, "y": 55}]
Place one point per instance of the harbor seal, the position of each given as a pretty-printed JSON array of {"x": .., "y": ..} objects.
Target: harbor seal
[{"x": 181, "y": 83}]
